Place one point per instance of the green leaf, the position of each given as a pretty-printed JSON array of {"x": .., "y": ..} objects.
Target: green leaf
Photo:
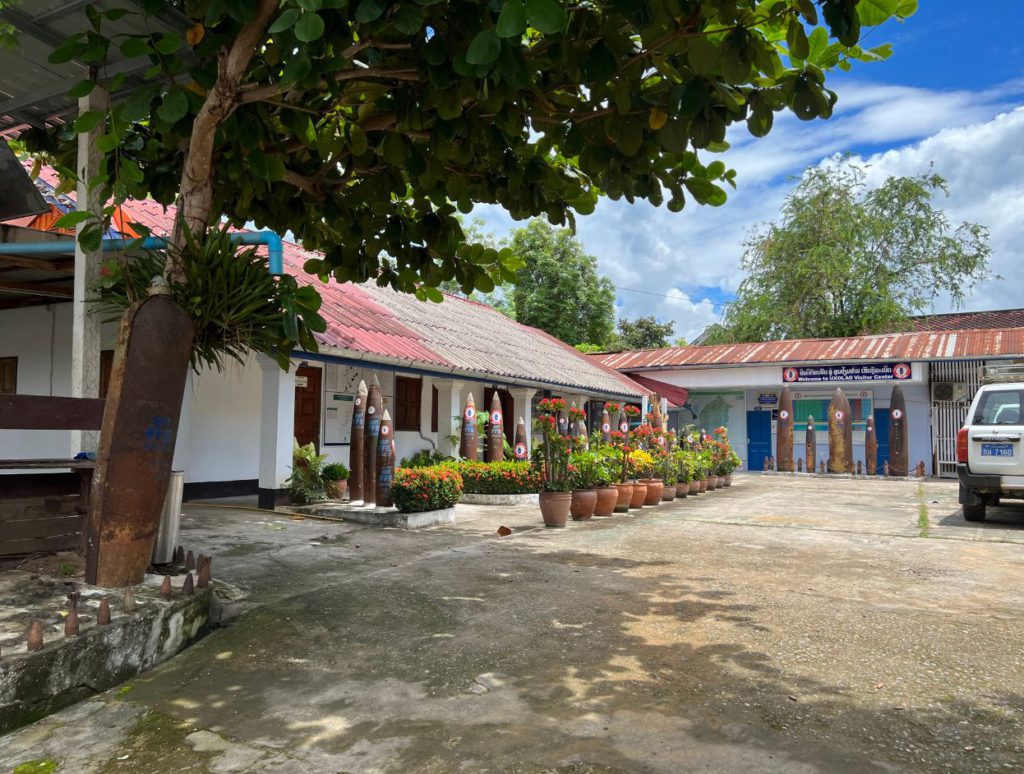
[
  {"x": 107, "y": 142},
  {"x": 702, "y": 55},
  {"x": 135, "y": 47},
  {"x": 357, "y": 139},
  {"x": 370, "y": 10},
  {"x": 88, "y": 120},
  {"x": 309, "y": 27},
  {"x": 546, "y": 16},
  {"x": 512, "y": 19},
  {"x": 174, "y": 106},
  {"x": 285, "y": 21},
  {"x": 67, "y": 50},
  {"x": 408, "y": 19},
  {"x": 432, "y": 294},
  {"x": 82, "y": 88},
  {"x": 168, "y": 43},
  {"x": 71, "y": 219},
  {"x": 485, "y": 48},
  {"x": 796, "y": 39},
  {"x": 874, "y": 12},
  {"x": 266, "y": 167}
]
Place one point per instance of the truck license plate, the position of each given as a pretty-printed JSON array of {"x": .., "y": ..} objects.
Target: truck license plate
[{"x": 997, "y": 450}]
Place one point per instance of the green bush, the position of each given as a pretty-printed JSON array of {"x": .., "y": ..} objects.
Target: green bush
[
  {"x": 426, "y": 489},
  {"x": 498, "y": 477},
  {"x": 424, "y": 458},
  {"x": 335, "y": 471}
]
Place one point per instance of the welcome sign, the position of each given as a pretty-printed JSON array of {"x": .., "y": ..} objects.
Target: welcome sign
[{"x": 865, "y": 372}]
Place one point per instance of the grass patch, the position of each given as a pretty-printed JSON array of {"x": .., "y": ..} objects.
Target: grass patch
[
  {"x": 922, "y": 512},
  {"x": 124, "y": 690},
  {"x": 46, "y": 766}
]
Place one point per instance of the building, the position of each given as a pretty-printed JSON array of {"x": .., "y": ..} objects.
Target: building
[
  {"x": 738, "y": 385},
  {"x": 237, "y": 426}
]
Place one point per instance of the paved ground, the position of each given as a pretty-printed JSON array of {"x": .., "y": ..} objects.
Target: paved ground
[{"x": 780, "y": 625}]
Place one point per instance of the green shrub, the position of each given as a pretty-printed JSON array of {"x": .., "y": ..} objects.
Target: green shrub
[
  {"x": 335, "y": 471},
  {"x": 306, "y": 483},
  {"x": 426, "y": 489},
  {"x": 424, "y": 458},
  {"x": 498, "y": 477}
]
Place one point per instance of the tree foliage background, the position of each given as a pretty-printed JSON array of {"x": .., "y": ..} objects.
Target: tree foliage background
[
  {"x": 643, "y": 333},
  {"x": 845, "y": 259}
]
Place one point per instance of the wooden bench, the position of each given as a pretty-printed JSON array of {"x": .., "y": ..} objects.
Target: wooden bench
[{"x": 42, "y": 510}]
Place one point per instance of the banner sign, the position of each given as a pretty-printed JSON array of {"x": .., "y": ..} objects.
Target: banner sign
[{"x": 865, "y": 372}]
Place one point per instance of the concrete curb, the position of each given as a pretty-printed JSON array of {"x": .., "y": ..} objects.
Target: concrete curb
[
  {"x": 378, "y": 517},
  {"x": 500, "y": 499}
]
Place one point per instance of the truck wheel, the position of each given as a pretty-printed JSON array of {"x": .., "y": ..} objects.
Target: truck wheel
[{"x": 974, "y": 512}]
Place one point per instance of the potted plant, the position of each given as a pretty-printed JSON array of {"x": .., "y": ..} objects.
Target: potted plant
[
  {"x": 655, "y": 484},
  {"x": 335, "y": 476},
  {"x": 306, "y": 483},
  {"x": 640, "y": 466},
  {"x": 552, "y": 455},
  {"x": 622, "y": 449},
  {"x": 584, "y": 475},
  {"x": 667, "y": 466},
  {"x": 607, "y": 492},
  {"x": 682, "y": 470}
]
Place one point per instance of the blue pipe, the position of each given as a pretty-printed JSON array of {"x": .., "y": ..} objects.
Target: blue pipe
[{"x": 275, "y": 249}]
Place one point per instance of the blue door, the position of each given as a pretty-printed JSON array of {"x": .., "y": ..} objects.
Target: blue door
[
  {"x": 882, "y": 436},
  {"x": 759, "y": 438}
]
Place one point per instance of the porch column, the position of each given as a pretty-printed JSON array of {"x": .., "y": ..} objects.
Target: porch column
[
  {"x": 523, "y": 407},
  {"x": 449, "y": 405},
  {"x": 85, "y": 327},
  {"x": 181, "y": 444},
  {"x": 426, "y": 404},
  {"x": 277, "y": 429}
]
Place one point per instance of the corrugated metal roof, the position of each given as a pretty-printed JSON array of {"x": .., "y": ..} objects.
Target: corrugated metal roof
[
  {"x": 960, "y": 321},
  {"x": 932, "y": 345}
]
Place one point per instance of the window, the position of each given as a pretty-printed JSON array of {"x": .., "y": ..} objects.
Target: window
[
  {"x": 860, "y": 408},
  {"x": 407, "y": 403},
  {"x": 8, "y": 375},
  {"x": 433, "y": 409},
  {"x": 999, "y": 407}
]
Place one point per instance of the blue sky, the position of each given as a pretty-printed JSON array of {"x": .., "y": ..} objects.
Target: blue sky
[{"x": 951, "y": 95}]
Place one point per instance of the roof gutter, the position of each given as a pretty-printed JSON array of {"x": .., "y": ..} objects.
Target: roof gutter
[
  {"x": 275, "y": 250},
  {"x": 354, "y": 358}
]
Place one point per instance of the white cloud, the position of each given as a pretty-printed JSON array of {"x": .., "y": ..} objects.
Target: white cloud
[{"x": 973, "y": 139}]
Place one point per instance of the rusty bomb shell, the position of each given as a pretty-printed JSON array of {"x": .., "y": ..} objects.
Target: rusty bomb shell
[
  {"x": 623, "y": 423},
  {"x": 35, "y": 636},
  {"x": 821, "y": 466},
  {"x": 581, "y": 433},
  {"x": 870, "y": 446},
  {"x": 860, "y": 469},
  {"x": 495, "y": 431},
  {"x": 356, "y": 463},
  {"x": 606, "y": 427},
  {"x": 810, "y": 445},
  {"x": 467, "y": 445},
  {"x": 848, "y": 433},
  {"x": 385, "y": 461},
  {"x": 572, "y": 429},
  {"x": 521, "y": 450},
  {"x": 179, "y": 555},
  {"x": 799, "y": 464},
  {"x": 204, "y": 575},
  {"x": 103, "y": 613},
  {"x": 374, "y": 407},
  {"x": 784, "y": 432},
  {"x": 885, "y": 468},
  {"x": 165, "y": 587},
  {"x": 899, "y": 442},
  {"x": 190, "y": 561},
  {"x": 188, "y": 587},
  {"x": 71, "y": 623},
  {"x": 128, "y": 600},
  {"x": 838, "y": 419}
]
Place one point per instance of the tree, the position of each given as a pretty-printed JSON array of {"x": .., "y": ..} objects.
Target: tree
[
  {"x": 558, "y": 289},
  {"x": 846, "y": 260},
  {"x": 644, "y": 333}
]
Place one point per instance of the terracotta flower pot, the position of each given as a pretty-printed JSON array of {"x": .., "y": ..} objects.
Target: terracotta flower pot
[
  {"x": 668, "y": 494},
  {"x": 693, "y": 487},
  {"x": 728, "y": 480},
  {"x": 639, "y": 494},
  {"x": 682, "y": 488},
  {"x": 624, "y": 497},
  {"x": 335, "y": 489},
  {"x": 607, "y": 497},
  {"x": 655, "y": 487},
  {"x": 582, "y": 504},
  {"x": 703, "y": 485},
  {"x": 712, "y": 483},
  {"x": 554, "y": 508}
]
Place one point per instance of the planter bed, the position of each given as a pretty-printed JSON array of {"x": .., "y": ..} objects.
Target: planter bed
[
  {"x": 500, "y": 499},
  {"x": 378, "y": 517}
]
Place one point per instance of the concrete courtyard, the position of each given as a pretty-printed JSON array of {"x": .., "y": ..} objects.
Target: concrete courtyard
[{"x": 791, "y": 625}]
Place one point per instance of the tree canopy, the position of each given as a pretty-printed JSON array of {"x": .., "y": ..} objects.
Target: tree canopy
[
  {"x": 364, "y": 126},
  {"x": 559, "y": 289},
  {"x": 845, "y": 259},
  {"x": 644, "y": 333}
]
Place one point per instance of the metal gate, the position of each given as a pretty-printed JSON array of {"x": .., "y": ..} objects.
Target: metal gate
[{"x": 948, "y": 416}]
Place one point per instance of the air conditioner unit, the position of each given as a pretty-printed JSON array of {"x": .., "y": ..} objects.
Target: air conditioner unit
[{"x": 955, "y": 392}]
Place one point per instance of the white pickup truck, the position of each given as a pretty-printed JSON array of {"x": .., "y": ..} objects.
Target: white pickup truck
[{"x": 989, "y": 453}]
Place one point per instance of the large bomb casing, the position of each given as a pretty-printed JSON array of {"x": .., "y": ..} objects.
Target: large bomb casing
[
  {"x": 495, "y": 431},
  {"x": 848, "y": 433},
  {"x": 811, "y": 445},
  {"x": 355, "y": 461},
  {"x": 784, "y": 432},
  {"x": 374, "y": 404},
  {"x": 467, "y": 446},
  {"x": 870, "y": 447},
  {"x": 623, "y": 424},
  {"x": 385, "y": 462},
  {"x": 838, "y": 419},
  {"x": 899, "y": 443},
  {"x": 521, "y": 450},
  {"x": 606, "y": 427}
]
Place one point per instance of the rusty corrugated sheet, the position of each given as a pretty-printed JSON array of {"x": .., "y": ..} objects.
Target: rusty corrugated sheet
[{"x": 931, "y": 345}]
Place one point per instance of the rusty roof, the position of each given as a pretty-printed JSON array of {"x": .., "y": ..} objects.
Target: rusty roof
[
  {"x": 928, "y": 345},
  {"x": 959, "y": 321}
]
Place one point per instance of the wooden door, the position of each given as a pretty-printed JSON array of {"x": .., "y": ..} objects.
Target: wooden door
[{"x": 307, "y": 405}]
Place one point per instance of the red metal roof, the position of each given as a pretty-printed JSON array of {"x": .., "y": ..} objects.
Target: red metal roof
[
  {"x": 674, "y": 394},
  {"x": 933, "y": 345}
]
